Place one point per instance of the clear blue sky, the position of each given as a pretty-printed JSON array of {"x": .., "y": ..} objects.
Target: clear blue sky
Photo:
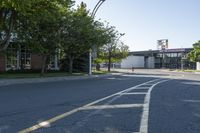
[{"x": 146, "y": 21}]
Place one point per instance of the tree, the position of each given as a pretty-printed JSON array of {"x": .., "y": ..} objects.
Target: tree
[
  {"x": 104, "y": 35},
  {"x": 79, "y": 34},
  {"x": 40, "y": 28},
  {"x": 9, "y": 12},
  {"x": 46, "y": 25},
  {"x": 74, "y": 34},
  {"x": 113, "y": 51},
  {"x": 194, "y": 55}
]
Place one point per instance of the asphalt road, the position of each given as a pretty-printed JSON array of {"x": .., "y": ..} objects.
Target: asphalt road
[{"x": 126, "y": 103}]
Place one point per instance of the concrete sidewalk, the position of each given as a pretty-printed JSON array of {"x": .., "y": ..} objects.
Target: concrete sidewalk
[{"x": 5, "y": 82}]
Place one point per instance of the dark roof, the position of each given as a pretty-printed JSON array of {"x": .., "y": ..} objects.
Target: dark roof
[{"x": 150, "y": 52}]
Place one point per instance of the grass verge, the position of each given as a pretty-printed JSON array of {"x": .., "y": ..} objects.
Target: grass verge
[
  {"x": 188, "y": 70},
  {"x": 14, "y": 75}
]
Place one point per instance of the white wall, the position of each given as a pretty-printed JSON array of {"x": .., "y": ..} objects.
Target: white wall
[
  {"x": 198, "y": 65},
  {"x": 151, "y": 62},
  {"x": 133, "y": 61}
]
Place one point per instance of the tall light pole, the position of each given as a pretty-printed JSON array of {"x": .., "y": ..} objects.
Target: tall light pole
[
  {"x": 93, "y": 15},
  {"x": 94, "y": 11}
]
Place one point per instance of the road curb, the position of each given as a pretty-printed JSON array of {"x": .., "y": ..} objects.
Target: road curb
[
  {"x": 5, "y": 82},
  {"x": 197, "y": 72}
]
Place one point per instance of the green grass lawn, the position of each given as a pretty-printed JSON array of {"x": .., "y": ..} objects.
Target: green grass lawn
[
  {"x": 11, "y": 75},
  {"x": 102, "y": 71},
  {"x": 189, "y": 70},
  {"x": 36, "y": 75}
]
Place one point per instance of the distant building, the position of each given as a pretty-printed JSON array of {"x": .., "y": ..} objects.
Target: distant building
[{"x": 168, "y": 58}]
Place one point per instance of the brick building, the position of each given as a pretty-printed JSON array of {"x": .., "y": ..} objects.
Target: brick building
[{"x": 21, "y": 58}]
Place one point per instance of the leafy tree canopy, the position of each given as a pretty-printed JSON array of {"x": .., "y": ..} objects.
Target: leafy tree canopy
[
  {"x": 113, "y": 50},
  {"x": 12, "y": 11},
  {"x": 194, "y": 55}
]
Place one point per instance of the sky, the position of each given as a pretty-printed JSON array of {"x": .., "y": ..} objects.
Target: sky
[{"x": 146, "y": 21}]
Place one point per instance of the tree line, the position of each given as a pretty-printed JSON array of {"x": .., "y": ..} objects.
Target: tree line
[
  {"x": 194, "y": 55},
  {"x": 47, "y": 25}
]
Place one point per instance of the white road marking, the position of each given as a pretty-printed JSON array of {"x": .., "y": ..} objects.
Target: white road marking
[
  {"x": 56, "y": 118},
  {"x": 143, "y": 87},
  {"x": 145, "y": 113},
  {"x": 44, "y": 124},
  {"x": 129, "y": 89},
  {"x": 134, "y": 93},
  {"x": 153, "y": 76},
  {"x": 113, "y": 106},
  {"x": 38, "y": 126}
]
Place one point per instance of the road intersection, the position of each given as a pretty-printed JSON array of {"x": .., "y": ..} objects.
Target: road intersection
[{"x": 124, "y": 102}]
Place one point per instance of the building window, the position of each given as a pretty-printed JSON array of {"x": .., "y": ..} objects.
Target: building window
[
  {"x": 173, "y": 54},
  {"x": 11, "y": 59},
  {"x": 179, "y": 54},
  {"x": 18, "y": 58},
  {"x": 25, "y": 60},
  {"x": 54, "y": 61}
]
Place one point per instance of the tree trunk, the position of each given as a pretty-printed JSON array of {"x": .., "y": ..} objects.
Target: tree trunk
[
  {"x": 98, "y": 67},
  {"x": 1, "y": 15},
  {"x": 44, "y": 60},
  {"x": 109, "y": 61},
  {"x": 71, "y": 61},
  {"x": 5, "y": 43}
]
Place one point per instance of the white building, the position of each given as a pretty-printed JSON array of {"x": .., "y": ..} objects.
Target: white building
[
  {"x": 133, "y": 61},
  {"x": 138, "y": 62},
  {"x": 168, "y": 58}
]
